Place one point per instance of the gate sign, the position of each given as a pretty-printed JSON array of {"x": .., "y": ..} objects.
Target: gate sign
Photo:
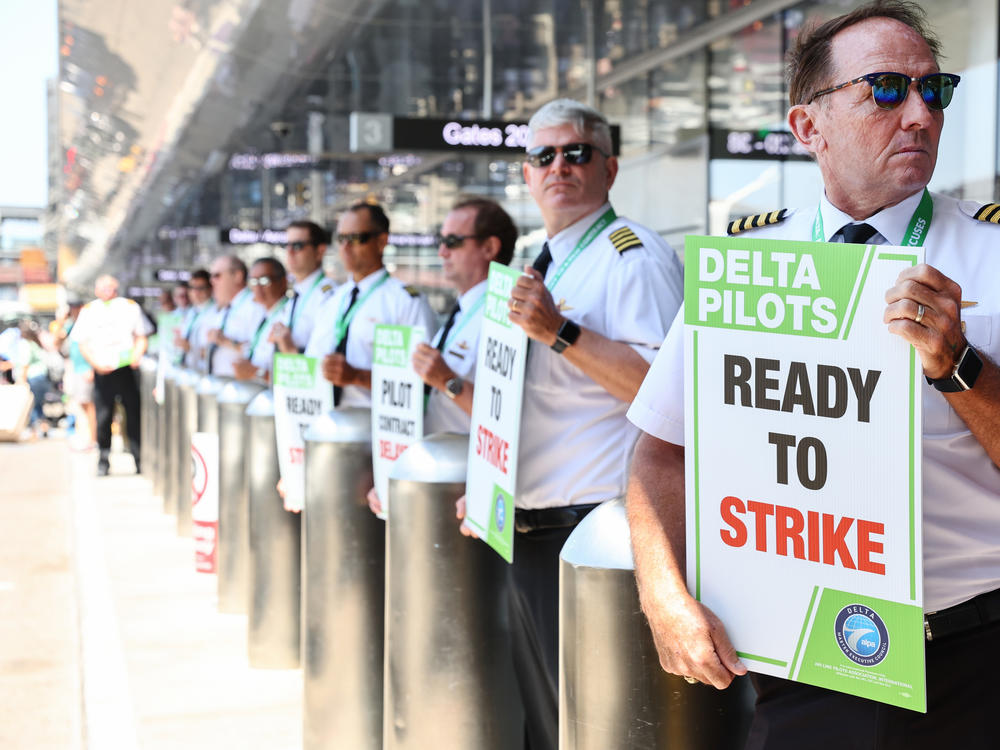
[
  {"x": 397, "y": 401},
  {"x": 205, "y": 499},
  {"x": 496, "y": 418},
  {"x": 803, "y": 473},
  {"x": 301, "y": 396}
]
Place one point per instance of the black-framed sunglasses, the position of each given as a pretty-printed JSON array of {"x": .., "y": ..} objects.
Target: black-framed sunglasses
[
  {"x": 889, "y": 89},
  {"x": 573, "y": 153},
  {"x": 359, "y": 238},
  {"x": 296, "y": 246},
  {"x": 451, "y": 241},
  {"x": 261, "y": 280},
  {"x": 200, "y": 287}
]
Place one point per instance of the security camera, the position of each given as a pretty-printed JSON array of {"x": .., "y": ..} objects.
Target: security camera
[{"x": 281, "y": 129}]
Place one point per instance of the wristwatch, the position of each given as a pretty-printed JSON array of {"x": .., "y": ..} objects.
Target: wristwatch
[
  {"x": 453, "y": 387},
  {"x": 963, "y": 376},
  {"x": 567, "y": 335}
]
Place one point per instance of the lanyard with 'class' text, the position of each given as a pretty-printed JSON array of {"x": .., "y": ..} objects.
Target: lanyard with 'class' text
[
  {"x": 589, "y": 236},
  {"x": 344, "y": 322}
]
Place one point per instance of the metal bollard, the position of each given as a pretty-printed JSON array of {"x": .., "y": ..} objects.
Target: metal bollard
[
  {"x": 275, "y": 549},
  {"x": 169, "y": 444},
  {"x": 147, "y": 416},
  {"x": 234, "y": 516},
  {"x": 613, "y": 694},
  {"x": 449, "y": 674},
  {"x": 187, "y": 424},
  {"x": 343, "y": 598},
  {"x": 159, "y": 451},
  {"x": 208, "y": 390}
]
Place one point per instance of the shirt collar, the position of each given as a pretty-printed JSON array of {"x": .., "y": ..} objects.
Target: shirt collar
[
  {"x": 303, "y": 286},
  {"x": 468, "y": 299},
  {"x": 366, "y": 283},
  {"x": 890, "y": 222},
  {"x": 562, "y": 244}
]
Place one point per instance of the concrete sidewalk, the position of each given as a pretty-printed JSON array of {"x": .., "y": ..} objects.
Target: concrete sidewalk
[{"x": 109, "y": 639}]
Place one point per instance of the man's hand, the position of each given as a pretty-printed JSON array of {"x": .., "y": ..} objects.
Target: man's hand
[
  {"x": 281, "y": 336},
  {"x": 214, "y": 336},
  {"x": 924, "y": 292},
  {"x": 181, "y": 343},
  {"x": 691, "y": 641},
  {"x": 532, "y": 307},
  {"x": 464, "y": 528},
  {"x": 374, "y": 503},
  {"x": 337, "y": 371},
  {"x": 244, "y": 369},
  {"x": 430, "y": 366}
]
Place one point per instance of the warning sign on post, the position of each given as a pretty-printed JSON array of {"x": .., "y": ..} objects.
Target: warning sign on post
[{"x": 803, "y": 462}]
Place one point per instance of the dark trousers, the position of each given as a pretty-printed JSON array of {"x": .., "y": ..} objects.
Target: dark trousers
[
  {"x": 120, "y": 384},
  {"x": 963, "y": 698},
  {"x": 534, "y": 618}
]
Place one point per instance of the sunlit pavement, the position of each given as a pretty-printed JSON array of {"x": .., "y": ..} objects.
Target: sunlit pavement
[{"x": 109, "y": 639}]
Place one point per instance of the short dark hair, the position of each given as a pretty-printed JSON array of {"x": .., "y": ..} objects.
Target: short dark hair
[
  {"x": 276, "y": 267},
  {"x": 317, "y": 235},
  {"x": 200, "y": 274},
  {"x": 376, "y": 214},
  {"x": 492, "y": 221},
  {"x": 808, "y": 64}
]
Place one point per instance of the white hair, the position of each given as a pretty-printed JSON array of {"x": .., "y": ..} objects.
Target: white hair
[{"x": 586, "y": 120}]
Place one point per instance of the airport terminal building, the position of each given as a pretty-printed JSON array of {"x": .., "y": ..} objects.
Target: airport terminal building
[{"x": 182, "y": 129}]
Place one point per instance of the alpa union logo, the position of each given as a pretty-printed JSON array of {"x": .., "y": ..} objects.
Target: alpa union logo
[
  {"x": 500, "y": 511},
  {"x": 862, "y": 635}
]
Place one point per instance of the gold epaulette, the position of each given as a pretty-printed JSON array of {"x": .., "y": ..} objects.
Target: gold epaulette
[
  {"x": 326, "y": 288},
  {"x": 757, "y": 220},
  {"x": 411, "y": 290},
  {"x": 624, "y": 239},
  {"x": 990, "y": 213}
]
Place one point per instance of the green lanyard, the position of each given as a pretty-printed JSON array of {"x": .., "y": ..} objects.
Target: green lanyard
[
  {"x": 344, "y": 321},
  {"x": 916, "y": 232},
  {"x": 264, "y": 324},
  {"x": 302, "y": 303},
  {"x": 466, "y": 317},
  {"x": 190, "y": 326},
  {"x": 589, "y": 236}
]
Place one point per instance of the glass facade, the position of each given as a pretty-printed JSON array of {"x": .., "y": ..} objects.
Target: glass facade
[{"x": 254, "y": 120}]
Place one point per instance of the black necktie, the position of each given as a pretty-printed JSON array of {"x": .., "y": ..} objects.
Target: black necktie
[
  {"x": 543, "y": 261},
  {"x": 857, "y": 234},
  {"x": 342, "y": 344},
  {"x": 444, "y": 338}
]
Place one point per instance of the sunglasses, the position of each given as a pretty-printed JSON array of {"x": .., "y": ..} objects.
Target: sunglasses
[
  {"x": 889, "y": 90},
  {"x": 261, "y": 281},
  {"x": 199, "y": 287},
  {"x": 358, "y": 238},
  {"x": 573, "y": 153},
  {"x": 451, "y": 241},
  {"x": 296, "y": 246}
]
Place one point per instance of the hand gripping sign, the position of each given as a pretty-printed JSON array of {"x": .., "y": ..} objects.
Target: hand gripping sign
[
  {"x": 496, "y": 418},
  {"x": 802, "y": 434},
  {"x": 397, "y": 401},
  {"x": 301, "y": 396}
]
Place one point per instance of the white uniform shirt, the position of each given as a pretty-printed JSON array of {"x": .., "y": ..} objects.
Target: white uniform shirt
[
  {"x": 391, "y": 302},
  {"x": 234, "y": 321},
  {"x": 575, "y": 441},
  {"x": 314, "y": 290},
  {"x": 108, "y": 330},
  {"x": 258, "y": 349},
  {"x": 961, "y": 490},
  {"x": 443, "y": 414},
  {"x": 193, "y": 329}
]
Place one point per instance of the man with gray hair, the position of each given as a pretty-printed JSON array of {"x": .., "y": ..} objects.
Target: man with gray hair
[{"x": 596, "y": 303}]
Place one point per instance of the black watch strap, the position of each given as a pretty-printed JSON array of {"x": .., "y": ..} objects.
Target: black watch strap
[
  {"x": 964, "y": 374},
  {"x": 567, "y": 335}
]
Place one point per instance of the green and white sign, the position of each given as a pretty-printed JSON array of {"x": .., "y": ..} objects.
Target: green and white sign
[
  {"x": 397, "y": 401},
  {"x": 301, "y": 396},
  {"x": 496, "y": 418},
  {"x": 167, "y": 325},
  {"x": 803, "y": 475}
]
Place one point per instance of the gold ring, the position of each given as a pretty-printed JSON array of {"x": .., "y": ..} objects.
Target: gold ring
[
  {"x": 690, "y": 680},
  {"x": 920, "y": 313},
  {"x": 513, "y": 305}
]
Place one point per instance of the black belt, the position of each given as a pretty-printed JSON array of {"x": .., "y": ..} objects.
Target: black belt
[
  {"x": 526, "y": 519},
  {"x": 975, "y": 613}
]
